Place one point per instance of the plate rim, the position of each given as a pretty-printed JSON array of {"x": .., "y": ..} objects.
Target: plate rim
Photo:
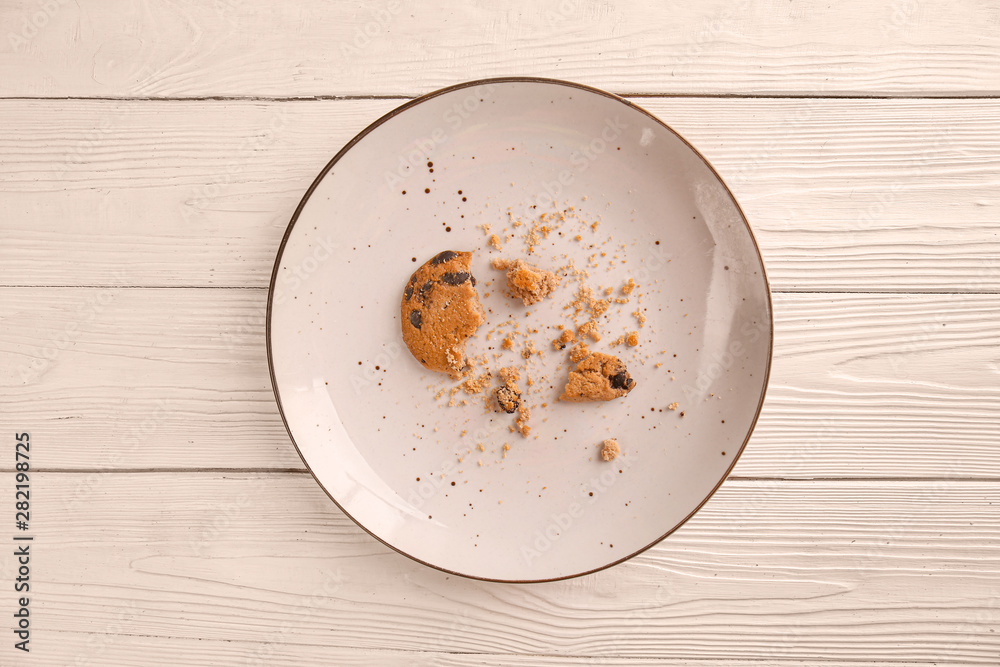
[{"x": 499, "y": 80}]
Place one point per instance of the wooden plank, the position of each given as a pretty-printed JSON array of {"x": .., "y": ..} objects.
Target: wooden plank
[
  {"x": 806, "y": 571},
  {"x": 862, "y": 385},
  {"x": 842, "y": 194},
  {"x": 120, "y": 650},
  {"x": 253, "y": 47}
]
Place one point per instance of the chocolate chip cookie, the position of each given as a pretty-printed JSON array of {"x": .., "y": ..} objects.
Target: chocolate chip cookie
[
  {"x": 440, "y": 310},
  {"x": 598, "y": 377}
]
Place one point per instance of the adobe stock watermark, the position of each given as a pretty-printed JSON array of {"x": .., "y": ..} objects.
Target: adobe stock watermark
[
  {"x": 97, "y": 645},
  {"x": 422, "y": 149},
  {"x": 981, "y": 621},
  {"x": 91, "y": 305},
  {"x": 639, "y": 619},
  {"x": 291, "y": 279},
  {"x": 580, "y": 160},
  {"x": 376, "y": 27},
  {"x": 929, "y": 493},
  {"x": 903, "y": 13},
  {"x": 33, "y": 22},
  {"x": 266, "y": 137},
  {"x": 444, "y": 641},
  {"x": 136, "y": 435},
  {"x": 368, "y": 374},
  {"x": 227, "y": 514},
  {"x": 89, "y": 143},
  {"x": 866, "y": 218},
  {"x": 430, "y": 485},
  {"x": 558, "y": 524},
  {"x": 911, "y": 344},
  {"x": 711, "y": 30},
  {"x": 556, "y": 15},
  {"x": 987, "y": 276},
  {"x": 750, "y": 165},
  {"x": 750, "y": 331},
  {"x": 318, "y": 600},
  {"x": 656, "y": 260}
]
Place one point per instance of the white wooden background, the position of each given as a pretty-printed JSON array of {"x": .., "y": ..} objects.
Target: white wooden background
[{"x": 151, "y": 154}]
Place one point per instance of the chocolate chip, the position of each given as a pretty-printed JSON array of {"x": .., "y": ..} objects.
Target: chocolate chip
[
  {"x": 455, "y": 278},
  {"x": 425, "y": 289},
  {"x": 408, "y": 292},
  {"x": 622, "y": 381},
  {"x": 473, "y": 281},
  {"x": 509, "y": 399},
  {"x": 442, "y": 257},
  {"x": 415, "y": 319}
]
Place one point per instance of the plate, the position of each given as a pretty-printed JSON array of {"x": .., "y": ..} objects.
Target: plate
[{"x": 624, "y": 196}]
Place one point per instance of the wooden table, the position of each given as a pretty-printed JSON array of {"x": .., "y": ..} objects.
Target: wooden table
[{"x": 151, "y": 154}]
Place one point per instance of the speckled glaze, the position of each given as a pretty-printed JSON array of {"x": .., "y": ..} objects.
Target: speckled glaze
[{"x": 359, "y": 408}]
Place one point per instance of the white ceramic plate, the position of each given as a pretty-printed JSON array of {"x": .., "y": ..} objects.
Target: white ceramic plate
[{"x": 358, "y": 407}]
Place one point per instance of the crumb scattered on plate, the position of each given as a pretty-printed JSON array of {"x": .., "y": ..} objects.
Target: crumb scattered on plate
[{"x": 610, "y": 449}]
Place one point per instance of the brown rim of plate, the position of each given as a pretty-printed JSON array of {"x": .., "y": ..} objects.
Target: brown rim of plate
[{"x": 480, "y": 82}]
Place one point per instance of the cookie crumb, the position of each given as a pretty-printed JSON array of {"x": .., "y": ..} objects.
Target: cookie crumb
[
  {"x": 579, "y": 352},
  {"x": 632, "y": 339},
  {"x": 523, "y": 415},
  {"x": 672, "y": 406},
  {"x": 495, "y": 242},
  {"x": 477, "y": 385},
  {"x": 565, "y": 338},
  {"x": 527, "y": 282},
  {"x": 589, "y": 329},
  {"x": 628, "y": 287},
  {"x": 610, "y": 449}
]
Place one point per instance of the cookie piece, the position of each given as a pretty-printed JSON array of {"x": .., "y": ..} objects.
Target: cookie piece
[
  {"x": 440, "y": 310},
  {"x": 598, "y": 377},
  {"x": 508, "y": 393},
  {"x": 610, "y": 449},
  {"x": 564, "y": 339},
  {"x": 509, "y": 399},
  {"x": 525, "y": 282}
]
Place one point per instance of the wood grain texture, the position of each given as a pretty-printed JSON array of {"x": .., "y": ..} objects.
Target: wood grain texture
[
  {"x": 884, "y": 195},
  {"x": 159, "y": 48},
  {"x": 63, "y": 648},
  {"x": 862, "y": 385},
  {"x": 766, "y": 571}
]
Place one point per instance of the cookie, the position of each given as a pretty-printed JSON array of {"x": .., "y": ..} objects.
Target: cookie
[
  {"x": 440, "y": 310},
  {"x": 598, "y": 377},
  {"x": 525, "y": 282}
]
